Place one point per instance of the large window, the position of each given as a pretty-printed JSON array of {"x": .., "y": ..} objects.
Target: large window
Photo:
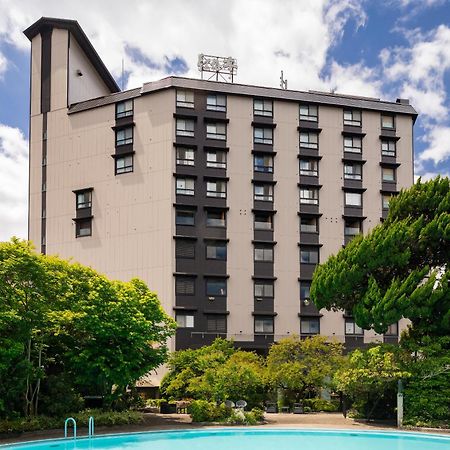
[
  {"x": 352, "y": 117},
  {"x": 184, "y": 216},
  {"x": 352, "y": 227},
  {"x": 352, "y": 144},
  {"x": 216, "y": 189},
  {"x": 263, "y": 135},
  {"x": 388, "y": 174},
  {"x": 123, "y": 164},
  {"x": 309, "y": 167},
  {"x": 305, "y": 289},
  {"x": 309, "y": 140},
  {"x": 216, "y": 287},
  {"x": 385, "y": 201},
  {"x": 263, "y": 221},
  {"x": 185, "y": 127},
  {"x": 216, "y": 131},
  {"x": 352, "y": 171},
  {"x": 263, "y": 252},
  {"x": 263, "y": 289},
  {"x": 263, "y": 192},
  {"x": 216, "y": 323},
  {"x": 185, "y": 248},
  {"x": 185, "y": 186},
  {"x": 309, "y": 113},
  {"x": 124, "y": 136},
  {"x": 309, "y": 196},
  {"x": 388, "y": 148},
  {"x": 185, "y": 156},
  {"x": 263, "y": 163},
  {"x": 185, "y": 99},
  {"x": 185, "y": 320},
  {"x": 263, "y": 107},
  {"x": 309, "y": 325},
  {"x": 184, "y": 286},
  {"x": 387, "y": 121},
  {"x": 216, "y": 159},
  {"x": 309, "y": 224},
  {"x": 83, "y": 227},
  {"x": 84, "y": 199},
  {"x": 351, "y": 328},
  {"x": 353, "y": 199},
  {"x": 309, "y": 255},
  {"x": 264, "y": 324},
  {"x": 216, "y": 102},
  {"x": 215, "y": 218},
  {"x": 216, "y": 250},
  {"x": 124, "y": 109}
]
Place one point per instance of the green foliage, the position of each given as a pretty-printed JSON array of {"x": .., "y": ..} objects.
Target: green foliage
[
  {"x": 399, "y": 269},
  {"x": 204, "y": 411},
  {"x": 301, "y": 367},
  {"x": 320, "y": 404},
  {"x": 63, "y": 321}
]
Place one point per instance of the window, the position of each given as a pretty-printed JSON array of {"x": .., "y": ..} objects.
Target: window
[
  {"x": 263, "y": 324},
  {"x": 305, "y": 288},
  {"x": 185, "y": 186},
  {"x": 385, "y": 201},
  {"x": 263, "y": 252},
  {"x": 124, "y": 109},
  {"x": 184, "y": 217},
  {"x": 263, "y": 221},
  {"x": 216, "y": 287},
  {"x": 309, "y": 140},
  {"x": 388, "y": 174},
  {"x": 309, "y": 167},
  {"x": 216, "y": 250},
  {"x": 309, "y": 196},
  {"x": 263, "y": 107},
  {"x": 353, "y": 199},
  {"x": 123, "y": 164},
  {"x": 216, "y": 323},
  {"x": 309, "y": 325},
  {"x": 216, "y": 102},
  {"x": 84, "y": 199},
  {"x": 387, "y": 121},
  {"x": 352, "y": 171},
  {"x": 263, "y": 288},
  {"x": 184, "y": 286},
  {"x": 185, "y": 127},
  {"x": 185, "y": 99},
  {"x": 308, "y": 112},
  {"x": 263, "y": 192},
  {"x": 309, "y": 225},
  {"x": 263, "y": 136},
  {"x": 263, "y": 163},
  {"x": 216, "y": 189},
  {"x": 309, "y": 255},
  {"x": 392, "y": 330},
  {"x": 352, "y": 227},
  {"x": 216, "y": 131},
  {"x": 352, "y": 117},
  {"x": 352, "y": 144},
  {"x": 215, "y": 218},
  {"x": 352, "y": 328},
  {"x": 185, "y": 156},
  {"x": 124, "y": 136},
  {"x": 83, "y": 227},
  {"x": 185, "y": 320},
  {"x": 216, "y": 159},
  {"x": 388, "y": 148},
  {"x": 185, "y": 248}
]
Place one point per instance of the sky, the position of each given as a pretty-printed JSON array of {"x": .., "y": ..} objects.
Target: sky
[{"x": 379, "y": 48}]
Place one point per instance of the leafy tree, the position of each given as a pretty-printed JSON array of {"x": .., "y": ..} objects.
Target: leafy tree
[
  {"x": 301, "y": 367},
  {"x": 399, "y": 269}
]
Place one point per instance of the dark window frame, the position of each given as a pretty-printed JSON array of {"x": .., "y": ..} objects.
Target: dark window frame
[
  {"x": 212, "y": 279},
  {"x": 182, "y": 161},
  {"x": 315, "y": 231},
  {"x": 78, "y": 225},
  {"x": 264, "y": 248},
  {"x": 187, "y": 241},
  {"x": 85, "y": 204},
  {"x": 124, "y": 169},
  {"x": 264, "y": 283},
  {"x": 216, "y": 136},
  {"x": 125, "y": 140},
  {"x": 191, "y": 280},
  {"x": 213, "y": 243},
  {"x": 394, "y": 121},
  {"x": 352, "y": 122},
  {"x": 215, "y": 106},
  {"x": 126, "y": 112},
  {"x": 214, "y": 319},
  {"x": 263, "y": 140},
  {"x": 263, "y": 318},
  {"x": 311, "y": 250},
  {"x": 309, "y": 319},
  {"x": 185, "y": 210},
  {"x": 308, "y": 117},
  {"x": 263, "y": 112},
  {"x": 263, "y": 168},
  {"x": 217, "y": 211}
]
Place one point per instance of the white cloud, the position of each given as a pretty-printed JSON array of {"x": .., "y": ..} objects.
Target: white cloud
[
  {"x": 14, "y": 184},
  {"x": 3, "y": 65},
  {"x": 438, "y": 144}
]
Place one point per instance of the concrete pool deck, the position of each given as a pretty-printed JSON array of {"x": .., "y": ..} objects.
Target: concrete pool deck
[{"x": 153, "y": 422}]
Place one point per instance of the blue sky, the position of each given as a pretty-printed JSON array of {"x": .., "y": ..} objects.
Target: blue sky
[{"x": 382, "y": 48}]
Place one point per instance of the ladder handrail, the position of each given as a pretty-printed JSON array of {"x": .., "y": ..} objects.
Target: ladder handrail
[
  {"x": 91, "y": 426},
  {"x": 66, "y": 423}
]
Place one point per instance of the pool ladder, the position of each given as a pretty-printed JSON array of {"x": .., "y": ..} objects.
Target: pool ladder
[{"x": 91, "y": 427}]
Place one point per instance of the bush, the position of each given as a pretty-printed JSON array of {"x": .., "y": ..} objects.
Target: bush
[
  {"x": 203, "y": 411},
  {"x": 320, "y": 404}
]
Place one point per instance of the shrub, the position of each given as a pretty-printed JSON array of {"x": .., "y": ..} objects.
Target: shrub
[
  {"x": 203, "y": 411},
  {"x": 320, "y": 404}
]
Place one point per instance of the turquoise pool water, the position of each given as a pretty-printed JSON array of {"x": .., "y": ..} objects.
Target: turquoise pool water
[{"x": 248, "y": 439}]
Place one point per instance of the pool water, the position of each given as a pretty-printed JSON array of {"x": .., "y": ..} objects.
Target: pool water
[{"x": 248, "y": 439}]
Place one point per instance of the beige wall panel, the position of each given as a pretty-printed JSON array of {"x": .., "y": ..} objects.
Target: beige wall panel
[
  {"x": 405, "y": 151},
  {"x": 370, "y": 337},
  {"x": 240, "y": 218},
  {"x": 35, "y": 88},
  {"x": 332, "y": 324},
  {"x": 286, "y": 221},
  {"x": 59, "y": 68}
]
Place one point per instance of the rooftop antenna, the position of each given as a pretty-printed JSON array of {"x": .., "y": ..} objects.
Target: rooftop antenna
[
  {"x": 123, "y": 70},
  {"x": 283, "y": 82},
  {"x": 224, "y": 67}
]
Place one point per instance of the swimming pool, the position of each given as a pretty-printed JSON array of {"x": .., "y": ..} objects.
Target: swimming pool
[{"x": 248, "y": 439}]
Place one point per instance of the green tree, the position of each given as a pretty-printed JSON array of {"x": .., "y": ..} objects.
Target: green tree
[
  {"x": 301, "y": 367},
  {"x": 399, "y": 269}
]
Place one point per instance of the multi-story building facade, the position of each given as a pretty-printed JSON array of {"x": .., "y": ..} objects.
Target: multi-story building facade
[{"x": 222, "y": 197}]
